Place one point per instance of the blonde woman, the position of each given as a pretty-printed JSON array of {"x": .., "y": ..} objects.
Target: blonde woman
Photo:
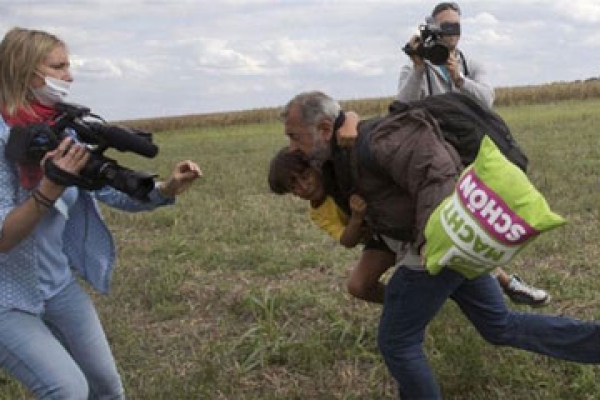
[{"x": 51, "y": 338}]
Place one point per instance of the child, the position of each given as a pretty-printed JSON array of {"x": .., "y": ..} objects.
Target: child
[{"x": 291, "y": 172}]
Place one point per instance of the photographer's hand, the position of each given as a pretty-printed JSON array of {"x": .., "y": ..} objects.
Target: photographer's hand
[
  {"x": 414, "y": 43},
  {"x": 453, "y": 66},
  {"x": 182, "y": 177}
]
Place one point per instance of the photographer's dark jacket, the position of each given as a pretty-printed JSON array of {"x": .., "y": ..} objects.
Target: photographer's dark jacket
[
  {"x": 413, "y": 84},
  {"x": 402, "y": 168},
  {"x": 87, "y": 242}
]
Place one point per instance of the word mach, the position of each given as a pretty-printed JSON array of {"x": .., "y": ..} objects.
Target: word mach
[{"x": 485, "y": 230}]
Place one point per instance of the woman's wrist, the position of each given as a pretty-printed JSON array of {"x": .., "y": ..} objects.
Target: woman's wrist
[
  {"x": 49, "y": 189},
  {"x": 164, "y": 189},
  {"x": 42, "y": 202},
  {"x": 45, "y": 195}
]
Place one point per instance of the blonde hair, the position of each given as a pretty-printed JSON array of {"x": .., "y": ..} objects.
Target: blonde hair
[{"x": 21, "y": 52}]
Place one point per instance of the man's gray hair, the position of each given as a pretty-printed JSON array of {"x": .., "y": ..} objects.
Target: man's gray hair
[{"x": 314, "y": 106}]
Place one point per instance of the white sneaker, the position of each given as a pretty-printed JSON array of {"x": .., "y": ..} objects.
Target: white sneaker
[{"x": 521, "y": 293}]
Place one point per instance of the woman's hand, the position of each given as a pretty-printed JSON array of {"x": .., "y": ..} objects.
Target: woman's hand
[
  {"x": 69, "y": 156},
  {"x": 182, "y": 177}
]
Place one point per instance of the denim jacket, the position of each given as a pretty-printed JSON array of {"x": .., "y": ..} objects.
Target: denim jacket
[{"x": 88, "y": 244}]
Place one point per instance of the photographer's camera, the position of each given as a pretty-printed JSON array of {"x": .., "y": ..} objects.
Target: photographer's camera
[{"x": 431, "y": 45}]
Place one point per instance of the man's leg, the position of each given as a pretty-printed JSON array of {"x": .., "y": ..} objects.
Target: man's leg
[
  {"x": 412, "y": 299},
  {"x": 481, "y": 300}
]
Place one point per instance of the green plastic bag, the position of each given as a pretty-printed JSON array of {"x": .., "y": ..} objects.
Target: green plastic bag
[{"x": 493, "y": 213}]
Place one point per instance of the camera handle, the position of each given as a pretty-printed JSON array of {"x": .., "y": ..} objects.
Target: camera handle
[{"x": 64, "y": 178}]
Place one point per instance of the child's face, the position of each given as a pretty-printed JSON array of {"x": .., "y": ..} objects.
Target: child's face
[{"x": 308, "y": 186}]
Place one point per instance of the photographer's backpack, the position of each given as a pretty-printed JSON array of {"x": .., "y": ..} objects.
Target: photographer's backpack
[{"x": 463, "y": 122}]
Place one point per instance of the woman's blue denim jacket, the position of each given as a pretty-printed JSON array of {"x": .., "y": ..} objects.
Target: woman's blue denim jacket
[{"x": 88, "y": 243}]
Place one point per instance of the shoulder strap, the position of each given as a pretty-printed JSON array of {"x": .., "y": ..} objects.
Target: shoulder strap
[
  {"x": 464, "y": 62},
  {"x": 429, "y": 86},
  {"x": 364, "y": 156}
]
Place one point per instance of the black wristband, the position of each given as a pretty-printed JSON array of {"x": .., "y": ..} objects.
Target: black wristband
[
  {"x": 41, "y": 200},
  {"x": 44, "y": 197}
]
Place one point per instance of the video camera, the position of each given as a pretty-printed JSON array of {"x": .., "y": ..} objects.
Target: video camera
[
  {"x": 28, "y": 144},
  {"x": 431, "y": 46}
]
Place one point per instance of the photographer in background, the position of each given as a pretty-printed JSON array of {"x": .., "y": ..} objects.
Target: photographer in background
[
  {"x": 51, "y": 338},
  {"x": 422, "y": 78},
  {"x": 438, "y": 66}
]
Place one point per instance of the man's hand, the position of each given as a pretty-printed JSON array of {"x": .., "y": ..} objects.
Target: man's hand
[{"x": 347, "y": 133}]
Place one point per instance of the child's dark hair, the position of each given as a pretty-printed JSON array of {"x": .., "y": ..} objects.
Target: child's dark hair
[{"x": 284, "y": 168}]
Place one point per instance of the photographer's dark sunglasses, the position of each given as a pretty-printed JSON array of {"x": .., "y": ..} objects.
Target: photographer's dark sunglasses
[{"x": 450, "y": 28}]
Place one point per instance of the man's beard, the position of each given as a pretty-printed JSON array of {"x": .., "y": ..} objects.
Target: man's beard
[{"x": 320, "y": 154}]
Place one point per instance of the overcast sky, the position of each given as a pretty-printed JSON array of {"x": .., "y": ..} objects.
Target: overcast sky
[{"x": 136, "y": 59}]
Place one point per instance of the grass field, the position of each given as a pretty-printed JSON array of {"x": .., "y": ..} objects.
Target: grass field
[{"x": 233, "y": 294}]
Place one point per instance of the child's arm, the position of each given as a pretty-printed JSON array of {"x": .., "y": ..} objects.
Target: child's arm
[
  {"x": 354, "y": 231},
  {"x": 347, "y": 133}
]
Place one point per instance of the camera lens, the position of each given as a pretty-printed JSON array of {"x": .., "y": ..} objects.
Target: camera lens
[{"x": 438, "y": 53}]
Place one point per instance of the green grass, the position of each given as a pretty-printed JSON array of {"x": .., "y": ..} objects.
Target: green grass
[{"x": 233, "y": 294}]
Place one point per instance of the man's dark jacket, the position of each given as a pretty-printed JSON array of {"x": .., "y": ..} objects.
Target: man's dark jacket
[{"x": 401, "y": 166}]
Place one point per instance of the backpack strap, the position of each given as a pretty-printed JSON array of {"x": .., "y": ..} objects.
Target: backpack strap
[
  {"x": 364, "y": 156},
  {"x": 464, "y": 62},
  {"x": 337, "y": 124},
  {"x": 428, "y": 76},
  {"x": 338, "y": 173}
]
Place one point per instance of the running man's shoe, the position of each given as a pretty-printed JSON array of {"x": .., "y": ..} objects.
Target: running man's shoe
[{"x": 521, "y": 293}]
